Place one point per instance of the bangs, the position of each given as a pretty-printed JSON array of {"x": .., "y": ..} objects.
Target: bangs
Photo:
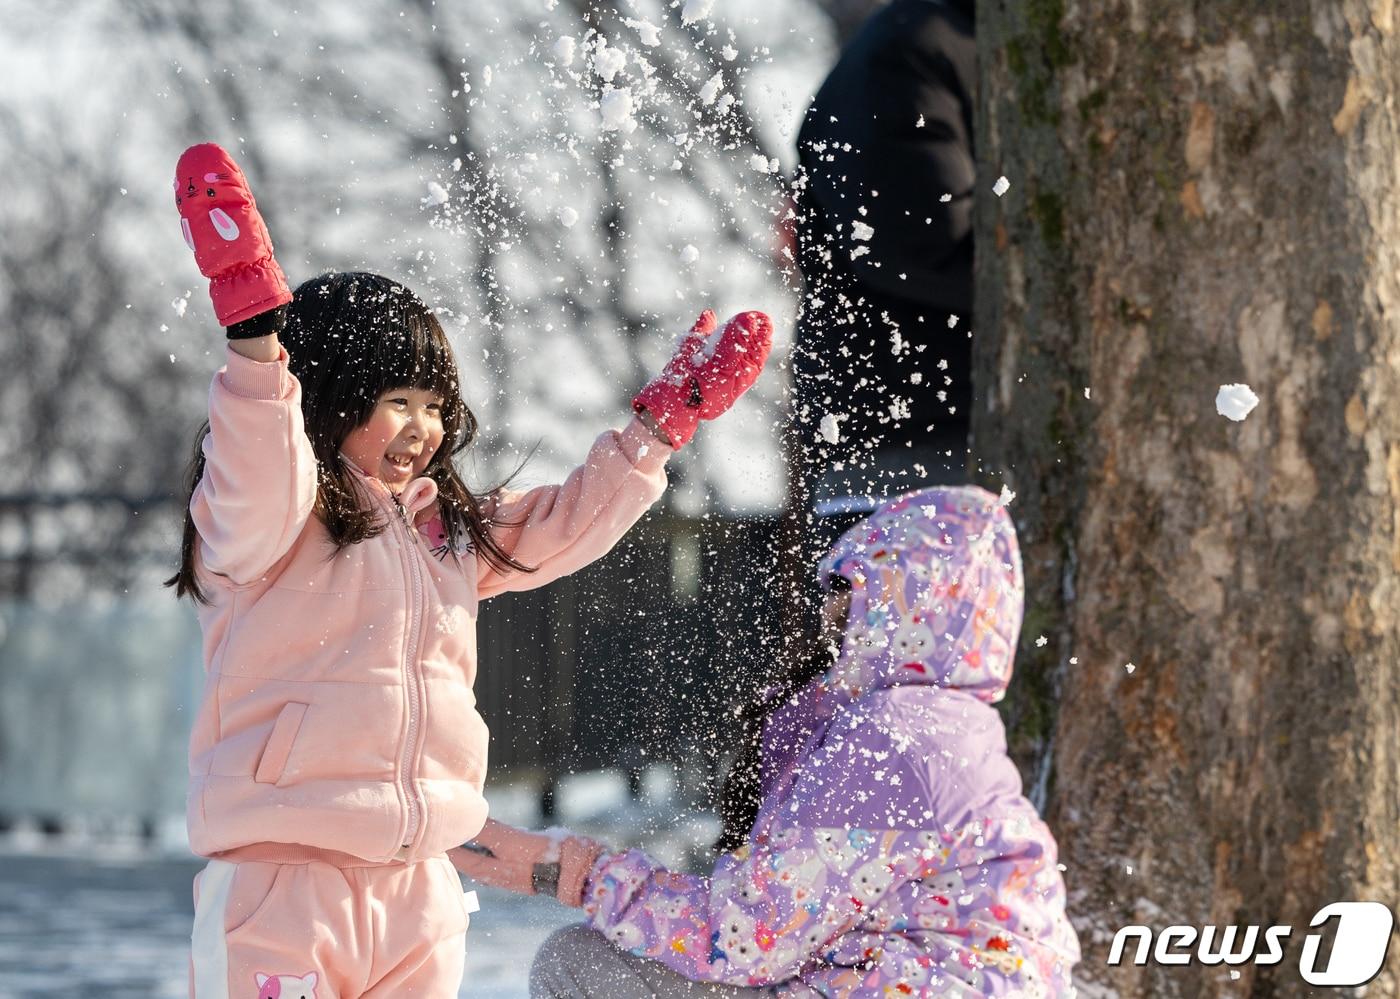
[
  {"x": 411, "y": 351},
  {"x": 351, "y": 337}
]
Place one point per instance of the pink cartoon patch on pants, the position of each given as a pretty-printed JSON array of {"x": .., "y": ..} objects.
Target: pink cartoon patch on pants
[{"x": 286, "y": 986}]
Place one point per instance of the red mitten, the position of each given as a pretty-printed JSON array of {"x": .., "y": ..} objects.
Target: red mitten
[
  {"x": 551, "y": 863},
  {"x": 708, "y": 372},
  {"x": 222, "y": 226}
]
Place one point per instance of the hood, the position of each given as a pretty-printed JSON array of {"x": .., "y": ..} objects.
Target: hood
[{"x": 936, "y": 595}]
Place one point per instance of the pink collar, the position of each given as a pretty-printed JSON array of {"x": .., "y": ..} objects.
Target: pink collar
[{"x": 419, "y": 494}]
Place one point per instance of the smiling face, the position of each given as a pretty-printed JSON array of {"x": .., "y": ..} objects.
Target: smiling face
[{"x": 400, "y": 437}]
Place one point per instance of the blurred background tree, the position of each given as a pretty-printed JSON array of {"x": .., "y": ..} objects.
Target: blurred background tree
[{"x": 461, "y": 148}]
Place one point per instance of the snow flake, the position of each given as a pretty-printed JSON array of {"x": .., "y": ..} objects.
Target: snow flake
[
  {"x": 180, "y": 305},
  {"x": 567, "y": 217},
  {"x": 920, "y": 122},
  {"x": 1235, "y": 401},
  {"x": 649, "y": 33},
  {"x": 1006, "y": 496},
  {"x": 696, "y": 10},
  {"x": 1001, "y": 186},
  {"x": 616, "y": 108},
  {"x": 710, "y": 90},
  {"x": 689, "y": 254},
  {"x": 1130, "y": 667},
  {"x": 759, "y": 162},
  {"x": 607, "y": 61},
  {"x": 1040, "y": 642},
  {"x": 859, "y": 230},
  {"x": 564, "y": 50},
  {"x": 829, "y": 430},
  {"x": 729, "y": 53},
  {"x": 436, "y": 194}
]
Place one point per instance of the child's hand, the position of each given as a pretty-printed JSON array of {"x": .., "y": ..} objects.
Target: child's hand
[
  {"x": 555, "y": 863},
  {"x": 221, "y": 224},
  {"x": 708, "y": 372}
]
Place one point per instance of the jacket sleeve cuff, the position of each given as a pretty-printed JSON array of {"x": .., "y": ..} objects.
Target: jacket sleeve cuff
[
  {"x": 643, "y": 449},
  {"x": 257, "y": 379}
]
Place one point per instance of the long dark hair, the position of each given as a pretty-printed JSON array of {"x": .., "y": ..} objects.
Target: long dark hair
[
  {"x": 350, "y": 337},
  {"x": 811, "y": 652},
  {"x": 742, "y": 792}
]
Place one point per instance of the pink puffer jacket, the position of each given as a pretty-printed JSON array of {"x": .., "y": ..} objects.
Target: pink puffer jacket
[{"x": 338, "y": 711}]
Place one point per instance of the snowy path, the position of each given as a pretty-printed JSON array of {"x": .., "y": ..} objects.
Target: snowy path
[{"x": 118, "y": 928}]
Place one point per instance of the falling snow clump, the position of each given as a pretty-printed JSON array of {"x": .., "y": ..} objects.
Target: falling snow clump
[
  {"x": 1235, "y": 402},
  {"x": 1001, "y": 186},
  {"x": 696, "y": 10},
  {"x": 564, "y": 50},
  {"x": 859, "y": 230},
  {"x": 710, "y": 90},
  {"x": 648, "y": 33},
  {"x": 616, "y": 109},
  {"x": 829, "y": 430},
  {"x": 689, "y": 254},
  {"x": 567, "y": 217},
  {"x": 437, "y": 195},
  {"x": 608, "y": 62}
]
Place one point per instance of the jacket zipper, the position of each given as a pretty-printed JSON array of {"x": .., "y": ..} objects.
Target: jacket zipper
[{"x": 411, "y": 679}]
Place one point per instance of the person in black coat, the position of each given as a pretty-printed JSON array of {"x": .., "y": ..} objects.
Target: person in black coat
[{"x": 884, "y": 234}]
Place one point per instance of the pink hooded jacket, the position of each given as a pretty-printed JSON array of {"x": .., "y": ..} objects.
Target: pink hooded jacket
[{"x": 338, "y": 711}]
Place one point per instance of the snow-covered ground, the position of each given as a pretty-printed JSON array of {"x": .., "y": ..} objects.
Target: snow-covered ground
[
  {"x": 89, "y": 916},
  {"x": 76, "y": 924}
]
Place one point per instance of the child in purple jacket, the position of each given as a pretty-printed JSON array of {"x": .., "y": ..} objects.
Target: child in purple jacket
[{"x": 892, "y": 852}]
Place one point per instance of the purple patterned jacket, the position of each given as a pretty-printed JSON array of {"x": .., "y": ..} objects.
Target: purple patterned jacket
[{"x": 893, "y": 853}]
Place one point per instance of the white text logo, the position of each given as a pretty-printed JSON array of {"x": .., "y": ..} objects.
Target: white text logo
[{"x": 1358, "y": 947}]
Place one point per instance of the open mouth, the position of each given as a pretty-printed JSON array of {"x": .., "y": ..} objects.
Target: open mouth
[{"x": 402, "y": 463}]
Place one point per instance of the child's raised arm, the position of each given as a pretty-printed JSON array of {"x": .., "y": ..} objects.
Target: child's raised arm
[
  {"x": 560, "y": 529},
  {"x": 259, "y": 480}
]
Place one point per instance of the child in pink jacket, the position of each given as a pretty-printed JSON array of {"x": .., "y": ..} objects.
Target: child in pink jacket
[{"x": 338, "y": 562}]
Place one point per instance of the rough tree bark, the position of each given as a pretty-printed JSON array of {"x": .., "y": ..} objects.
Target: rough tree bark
[{"x": 1200, "y": 194}]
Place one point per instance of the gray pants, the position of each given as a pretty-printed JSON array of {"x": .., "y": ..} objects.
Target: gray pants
[{"x": 578, "y": 962}]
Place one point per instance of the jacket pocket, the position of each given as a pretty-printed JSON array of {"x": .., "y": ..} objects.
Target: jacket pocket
[{"x": 279, "y": 744}]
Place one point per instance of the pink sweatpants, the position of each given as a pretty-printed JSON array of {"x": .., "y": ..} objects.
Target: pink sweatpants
[{"x": 330, "y": 928}]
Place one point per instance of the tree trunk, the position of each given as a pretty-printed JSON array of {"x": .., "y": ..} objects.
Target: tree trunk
[{"x": 1200, "y": 194}]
